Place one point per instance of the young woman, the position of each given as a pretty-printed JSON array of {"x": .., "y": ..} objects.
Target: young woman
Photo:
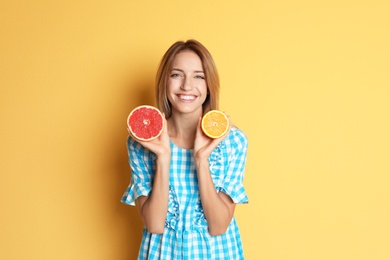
[{"x": 186, "y": 185}]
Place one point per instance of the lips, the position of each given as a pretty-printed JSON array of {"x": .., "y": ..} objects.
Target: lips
[{"x": 187, "y": 97}]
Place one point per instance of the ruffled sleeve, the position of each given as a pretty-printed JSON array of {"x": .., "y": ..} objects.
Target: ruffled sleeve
[
  {"x": 234, "y": 152},
  {"x": 142, "y": 164}
]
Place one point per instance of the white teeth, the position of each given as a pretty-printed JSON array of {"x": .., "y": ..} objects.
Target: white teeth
[{"x": 185, "y": 97}]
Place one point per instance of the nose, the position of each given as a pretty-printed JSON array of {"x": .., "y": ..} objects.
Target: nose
[{"x": 187, "y": 84}]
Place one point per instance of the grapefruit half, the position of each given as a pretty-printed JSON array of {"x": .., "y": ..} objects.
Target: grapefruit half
[
  {"x": 145, "y": 123},
  {"x": 215, "y": 124}
]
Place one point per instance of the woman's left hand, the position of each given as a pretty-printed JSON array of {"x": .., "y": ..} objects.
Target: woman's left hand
[{"x": 204, "y": 145}]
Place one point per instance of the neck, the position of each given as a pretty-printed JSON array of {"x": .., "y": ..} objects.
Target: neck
[{"x": 182, "y": 129}]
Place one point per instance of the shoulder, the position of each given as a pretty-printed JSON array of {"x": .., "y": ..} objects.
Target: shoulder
[
  {"x": 134, "y": 147},
  {"x": 236, "y": 139},
  {"x": 139, "y": 154},
  {"x": 131, "y": 143}
]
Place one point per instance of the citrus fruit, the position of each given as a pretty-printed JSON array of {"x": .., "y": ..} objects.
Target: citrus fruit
[
  {"x": 215, "y": 124},
  {"x": 145, "y": 123}
]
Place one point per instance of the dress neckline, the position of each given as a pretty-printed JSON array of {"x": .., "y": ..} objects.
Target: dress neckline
[{"x": 179, "y": 148}]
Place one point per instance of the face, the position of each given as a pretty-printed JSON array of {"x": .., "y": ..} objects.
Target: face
[{"x": 187, "y": 88}]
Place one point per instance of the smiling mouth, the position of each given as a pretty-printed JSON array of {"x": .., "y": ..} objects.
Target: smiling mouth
[{"x": 187, "y": 97}]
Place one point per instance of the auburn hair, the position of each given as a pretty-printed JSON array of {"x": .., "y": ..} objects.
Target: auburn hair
[{"x": 209, "y": 68}]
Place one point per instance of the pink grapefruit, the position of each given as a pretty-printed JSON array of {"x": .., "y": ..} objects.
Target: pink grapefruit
[{"x": 145, "y": 123}]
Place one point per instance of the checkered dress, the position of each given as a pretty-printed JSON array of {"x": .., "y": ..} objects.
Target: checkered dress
[{"x": 186, "y": 232}]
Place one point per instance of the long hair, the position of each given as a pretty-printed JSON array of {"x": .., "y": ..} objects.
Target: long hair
[{"x": 209, "y": 68}]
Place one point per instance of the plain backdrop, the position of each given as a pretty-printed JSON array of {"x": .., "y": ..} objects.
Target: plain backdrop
[{"x": 307, "y": 81}]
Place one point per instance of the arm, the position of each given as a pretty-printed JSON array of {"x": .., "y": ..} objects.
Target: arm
[
  {"x": 217, "y": 206},
  {"x": 153, "y": 207}
]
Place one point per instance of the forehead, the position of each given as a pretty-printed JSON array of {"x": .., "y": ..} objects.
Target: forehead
[{"x": 187, "y": 59}]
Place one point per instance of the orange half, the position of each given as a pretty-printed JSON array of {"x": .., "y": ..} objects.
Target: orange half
[{"x": 215, "y": 124}]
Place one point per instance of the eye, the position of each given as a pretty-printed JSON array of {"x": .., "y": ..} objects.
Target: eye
[
  {"x": 174, "y": 75},
  {"x": 199, "y": 77}
]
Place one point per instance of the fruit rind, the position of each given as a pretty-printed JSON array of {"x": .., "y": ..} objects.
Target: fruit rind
[{"x": 133, "y": 132}]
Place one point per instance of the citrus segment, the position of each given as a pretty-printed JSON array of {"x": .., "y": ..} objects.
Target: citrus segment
[
  {"x": 145, "y": 123},
  {"x": 215, "y": 124}
]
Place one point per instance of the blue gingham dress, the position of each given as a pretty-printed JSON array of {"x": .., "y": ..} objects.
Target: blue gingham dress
[{"x": 186, "y": 232}]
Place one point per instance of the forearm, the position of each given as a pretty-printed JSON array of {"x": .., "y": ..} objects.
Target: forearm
[
  {"x": 218, "y": 208},
  {"x": 153, "y": 209}
]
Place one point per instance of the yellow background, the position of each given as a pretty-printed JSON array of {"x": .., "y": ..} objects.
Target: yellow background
[{"x": 308, "y": 82}]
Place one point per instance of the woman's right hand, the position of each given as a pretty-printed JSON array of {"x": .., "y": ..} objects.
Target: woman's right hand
[{"x": 160, "y": 145}]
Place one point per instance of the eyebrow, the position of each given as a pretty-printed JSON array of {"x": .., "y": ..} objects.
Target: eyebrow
[{"x": 195, "y": 71}]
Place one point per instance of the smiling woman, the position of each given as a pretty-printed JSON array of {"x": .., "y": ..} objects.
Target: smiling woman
[
  {"x": 185, "y": 183},
  {"x": 187, "y": 89},
  {"x": 207, "y": 70}
]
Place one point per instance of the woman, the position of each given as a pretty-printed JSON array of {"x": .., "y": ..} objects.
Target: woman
[{"x": 186, "y": 185}]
